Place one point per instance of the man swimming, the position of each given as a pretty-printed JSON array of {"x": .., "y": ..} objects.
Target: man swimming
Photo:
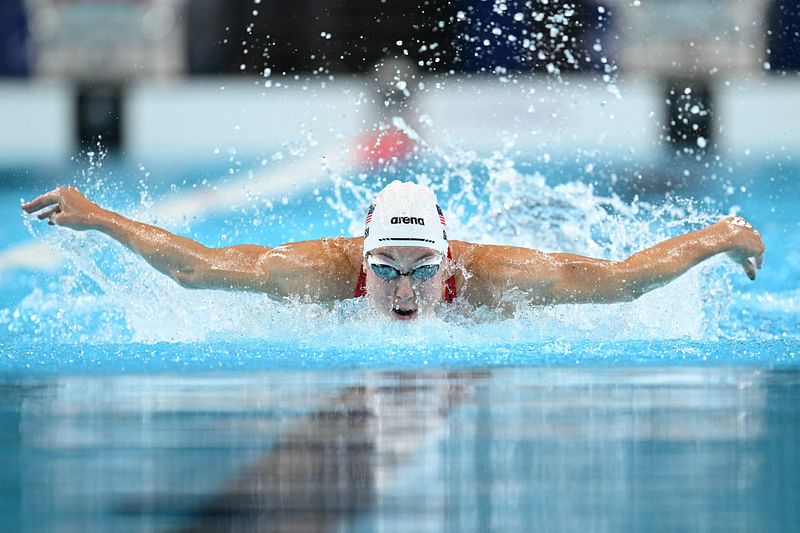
[{"x": 405, "y": 264}]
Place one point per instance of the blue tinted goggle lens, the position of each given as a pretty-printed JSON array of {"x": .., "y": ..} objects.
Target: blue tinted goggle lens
[{"x": 390, "y": 273}]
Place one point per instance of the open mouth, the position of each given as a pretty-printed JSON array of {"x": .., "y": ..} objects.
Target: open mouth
[{"x": 404, "y": 314}]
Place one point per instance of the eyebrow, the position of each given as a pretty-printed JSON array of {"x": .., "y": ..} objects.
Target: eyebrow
[{"x": 427, "y": 257}]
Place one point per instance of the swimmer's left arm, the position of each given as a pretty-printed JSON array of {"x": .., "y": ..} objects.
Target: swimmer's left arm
[
  {"x": 551, "y": 278},
  {"x": 587, "y": 280}
]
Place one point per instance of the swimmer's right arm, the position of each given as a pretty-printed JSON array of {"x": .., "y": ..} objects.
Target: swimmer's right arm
[{"x": 285, "y": 271}]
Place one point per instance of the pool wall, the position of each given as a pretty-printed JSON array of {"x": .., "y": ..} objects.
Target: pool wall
[{"x": 201, "y": 118}]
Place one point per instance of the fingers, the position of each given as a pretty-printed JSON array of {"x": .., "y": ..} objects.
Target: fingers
[
  {"x": 758, "y": 258},
  {"x": 749, "y": 268},
  {"x": 40, "y": 202},
  {"x": 49, "y": 213},
  {"x": 748, "y": 246},
  {"x": 750, "y": 263}
]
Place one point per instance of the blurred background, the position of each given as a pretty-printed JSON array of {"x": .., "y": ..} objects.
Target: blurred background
[{"x": 186, "y": 79}]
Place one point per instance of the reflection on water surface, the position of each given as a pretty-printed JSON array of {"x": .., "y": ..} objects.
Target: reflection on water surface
[{"x": 566, "y": 449}]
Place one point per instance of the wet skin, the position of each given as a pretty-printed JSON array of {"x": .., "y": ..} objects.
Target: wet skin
[
  {"x": 404, "y": 298},
  {"x": 324, "y": 270}
]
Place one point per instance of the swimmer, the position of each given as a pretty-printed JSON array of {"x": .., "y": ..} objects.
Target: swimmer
[{"x": 405, "y": 264}]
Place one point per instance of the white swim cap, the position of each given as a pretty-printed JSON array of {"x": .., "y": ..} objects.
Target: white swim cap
[{"x": 405, "y": 214}]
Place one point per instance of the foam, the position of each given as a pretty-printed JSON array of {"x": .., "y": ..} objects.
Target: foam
[{"x": 106, "y": 294}]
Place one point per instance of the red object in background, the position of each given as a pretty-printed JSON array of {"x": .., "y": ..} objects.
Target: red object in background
[{"x": 383, "y": 146}]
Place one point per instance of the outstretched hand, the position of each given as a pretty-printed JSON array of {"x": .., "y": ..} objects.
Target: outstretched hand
[
  {"x": 746, "y": 246},
  {"x": 64, "y": 206}
]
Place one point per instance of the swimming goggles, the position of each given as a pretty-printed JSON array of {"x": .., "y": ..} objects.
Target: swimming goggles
[{"x": 422, "y": 272}]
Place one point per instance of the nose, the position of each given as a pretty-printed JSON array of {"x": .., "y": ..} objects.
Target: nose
[{"x": 404, "y": 291}]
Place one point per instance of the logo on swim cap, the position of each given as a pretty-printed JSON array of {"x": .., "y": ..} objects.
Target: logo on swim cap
[
  {"x": 398, "y": 218},
  {"x": 408, "y": 220}
]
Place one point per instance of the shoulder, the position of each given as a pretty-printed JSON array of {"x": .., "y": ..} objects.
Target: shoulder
[
  {"x": 486, "y": 272},
  {"x": 349, "y": 249},
  {"x": 341, "y": 253},
  {"x": 492, "y": 257},
  {"x": 322, "y": 270}
]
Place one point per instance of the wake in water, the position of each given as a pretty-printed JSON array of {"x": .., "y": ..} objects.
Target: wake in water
[{"x": 106, "y": 294}]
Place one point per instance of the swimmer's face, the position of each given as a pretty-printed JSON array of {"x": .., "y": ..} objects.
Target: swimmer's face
[{"x": 405, "y": 297}]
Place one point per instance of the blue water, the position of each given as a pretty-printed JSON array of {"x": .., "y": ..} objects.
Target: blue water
[
  {"x": 130, "y": 404},
  {"x": 110, "y": 312}
]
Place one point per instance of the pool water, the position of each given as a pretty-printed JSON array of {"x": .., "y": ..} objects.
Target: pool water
[
  {"x": 569, "y": 449},
  {"x": 130, "y": 404}
]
